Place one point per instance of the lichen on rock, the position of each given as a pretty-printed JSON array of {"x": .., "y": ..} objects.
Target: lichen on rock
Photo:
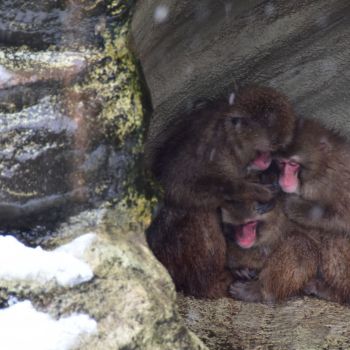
[{"x": 90, "y": 82}]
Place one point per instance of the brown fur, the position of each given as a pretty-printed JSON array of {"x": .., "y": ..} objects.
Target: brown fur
[
  {"x": 190, "y": 245},
  {"x": 284, "y": 255},
  {"x": 203, "y": 167},
  {"x": 291, "y": 260},
  {"x": 335, "y": 261},
  {"x": 322, "y": 200}
]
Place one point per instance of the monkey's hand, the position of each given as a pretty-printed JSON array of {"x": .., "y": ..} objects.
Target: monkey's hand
[
  {"x": 248, "y": 191},
  {"x": 245, "y": 274},
  {"x": 302, "y": 211},
  {"x": 236, "y": 213},
  {"x": 260, "y": 193},
  {"x": 247, "y": 291}
]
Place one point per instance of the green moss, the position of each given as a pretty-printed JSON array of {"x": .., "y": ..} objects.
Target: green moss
[
  {"x": 107, "y": 81},
  {"x": 116, "y": 80}
]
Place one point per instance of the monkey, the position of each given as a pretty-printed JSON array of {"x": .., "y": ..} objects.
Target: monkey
[
  {"x": 315, "y": 170},
  {"x": 204, "y": 166},
  {"x": 279, "y": 258},
  {"x": 283, "y": 255},
  {"x": 204, "y": 161},
  {"x": 190, "y": 244}
]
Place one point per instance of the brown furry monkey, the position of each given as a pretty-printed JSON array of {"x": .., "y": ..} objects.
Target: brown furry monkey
[
  {"x": 204, "y": 166},
  {"x": 284, "y": 256},
  {"x": 316, "y": 169},
  {"x": 288, "y": 259}
]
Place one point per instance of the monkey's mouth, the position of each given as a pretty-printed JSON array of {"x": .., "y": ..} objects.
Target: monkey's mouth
[
  {"x": 262, "y": 160},
  {"x": 245, "y": 234}
]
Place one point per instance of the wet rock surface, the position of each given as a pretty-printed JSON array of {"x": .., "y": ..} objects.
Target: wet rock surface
[
  {"x": 39, "y": 24},
  {"x": 72, "y": 124},
  {"x": 71, "y": 114}
]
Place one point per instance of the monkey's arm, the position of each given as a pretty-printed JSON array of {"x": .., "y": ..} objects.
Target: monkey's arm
[
  {"x": 214, "y": 192},
  {"x": 315, "y": 215}
]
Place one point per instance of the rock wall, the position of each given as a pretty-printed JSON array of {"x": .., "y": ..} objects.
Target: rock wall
[
  {"x": 71, "y": 113},
  {"x": 72, "y": 124},
  {"x": 194, "y": 49}
]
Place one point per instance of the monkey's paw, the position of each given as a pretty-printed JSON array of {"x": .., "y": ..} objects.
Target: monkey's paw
[
  {"x": 262, "y": 208},
  {"x": 245, "y": 274},
  {"x": 247, "y": 291},
  {"x": 263, "y": 193}
]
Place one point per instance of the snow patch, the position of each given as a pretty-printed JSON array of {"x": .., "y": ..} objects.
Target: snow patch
[
  {"x": 78, "y": 246},
  {"x": 63, "y": 264},
  {"x": 22, "y": 327}
]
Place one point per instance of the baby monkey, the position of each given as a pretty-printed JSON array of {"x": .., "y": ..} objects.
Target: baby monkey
[
  {"x": 284, "y": 256},
  {"x": 316, "y": 169},
  {"x": 288, "y": 259}
]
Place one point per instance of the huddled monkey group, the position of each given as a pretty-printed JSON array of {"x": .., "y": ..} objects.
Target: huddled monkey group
[{"x": 256, "y": 202}]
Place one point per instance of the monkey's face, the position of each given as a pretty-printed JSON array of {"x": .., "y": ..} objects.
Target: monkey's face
[
  {"x": 303, "y": 162},
  {"x": 272, "y": 111},
  {"x": 259, "y": 228},
  {"x": 247, "y": 140}
]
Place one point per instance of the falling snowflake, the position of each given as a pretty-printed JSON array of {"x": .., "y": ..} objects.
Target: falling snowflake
[
  {"x": 231, "y": 98},
  {"x": 161, "y": 13}
]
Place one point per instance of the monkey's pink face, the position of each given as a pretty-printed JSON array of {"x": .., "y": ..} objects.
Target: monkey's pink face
[
  {"x": 289, "y": 175},
  {"x": 262, "y": 161},
  {"x": 245, "y": 235}
]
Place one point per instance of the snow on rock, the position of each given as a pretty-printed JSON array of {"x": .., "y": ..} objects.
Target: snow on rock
[
  {"x": 78, "y": 246},
  {"x": 63, "y": 264},
  {"x": 22, "y": 327}
]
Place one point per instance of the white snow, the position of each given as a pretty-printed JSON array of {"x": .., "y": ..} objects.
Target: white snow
[
  {"x": 22, "y": 327},
  {"x": 5, "y": 75},
  {"x": 63, "y": 264},
  {"x": 161, "y": 13}
]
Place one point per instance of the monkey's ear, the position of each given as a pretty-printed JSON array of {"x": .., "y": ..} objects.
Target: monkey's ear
[{"x": 325, "y": 145}]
